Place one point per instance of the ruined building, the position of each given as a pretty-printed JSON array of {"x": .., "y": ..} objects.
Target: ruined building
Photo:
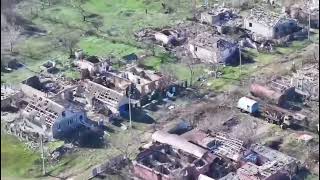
[
  {"x": 217, "y": 16},
  {"x": 171, "y": 157},
  {"x": 8, "y": 96},
  {"x": 217, "y": 143},
  {"x": 210, "y": 48},
  {"x": 92, "y": 63},
  {"x": 113, "y": 88},
  {"x": 200, "y": 155},
  {"x": 264, "y": 163},
  {"x": 170, "y": 37},
  {"x": 268, "y": 25},
  {"x": 301, "y": 13},
  {"x": 49, "y": 108},
  {"x": 113, "y": 99}
]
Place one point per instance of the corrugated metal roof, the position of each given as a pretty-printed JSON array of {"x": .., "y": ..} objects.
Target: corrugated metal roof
[{"x": 178, "y": 142}]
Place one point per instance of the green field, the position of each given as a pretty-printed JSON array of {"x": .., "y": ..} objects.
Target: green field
[{"x": 16, "y": 159}]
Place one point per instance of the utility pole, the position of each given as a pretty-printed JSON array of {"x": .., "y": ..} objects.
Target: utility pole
[
  {"x": 42, "y": 155},
  {"x": 309, "y": 24},
  {"x": 130, "y": 107},
  {"x": 240, "y": 59}
]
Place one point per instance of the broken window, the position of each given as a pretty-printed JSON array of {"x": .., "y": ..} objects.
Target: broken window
[
  {"x": 250, "y": 24},
  {"x": 80, "y": 117}
]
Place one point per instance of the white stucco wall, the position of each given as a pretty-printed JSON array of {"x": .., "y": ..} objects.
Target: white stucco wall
[
  {"x": 202, "y": 54},
  {"x": 162, "y": 37},
  {"x": 259, "y": 29},
  {"x": 211, "y": 56},
  {"x": 85, "y": 65}
]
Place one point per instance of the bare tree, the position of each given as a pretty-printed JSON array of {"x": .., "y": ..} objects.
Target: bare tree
[
  {"x": 151, "y": 47},
  {"x": 78, "y": 4},
  {"x": 13, "y": 35},
  {"x": 189, "y": 61},
  {"x": 69, "y": 41},
  {"x": 245, "y": 131},
  {"x": 127, "y": 146},
  {"x": 168, "y": 72}
]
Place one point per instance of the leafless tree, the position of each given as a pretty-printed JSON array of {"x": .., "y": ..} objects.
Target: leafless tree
[
  {"x": 245, "y": 131},
  {"x": 13, "y": 35},
  {"x": 168, "y": 72},
  {"x": 189, "y": 61},
  {"x": 151, "y": 47},
  {"x": 78, "y": 4},
  {"x": 69, "y": 41},
  {"x": 127, "y": 146}
]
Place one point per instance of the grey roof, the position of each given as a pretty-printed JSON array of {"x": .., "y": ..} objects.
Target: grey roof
[
  {"x": 212, "y": 41},
  {"x": 266, "y": 17},
  {"x": 178, "y": 142}
]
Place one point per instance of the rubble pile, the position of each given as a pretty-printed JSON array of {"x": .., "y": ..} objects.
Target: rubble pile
[{"x": 306, "y": 81}]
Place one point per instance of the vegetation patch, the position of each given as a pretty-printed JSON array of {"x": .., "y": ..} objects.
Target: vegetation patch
[{"x": 16, "y": 159}]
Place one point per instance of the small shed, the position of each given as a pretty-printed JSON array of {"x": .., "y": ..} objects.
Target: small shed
[{"x": 248, "y": 105}]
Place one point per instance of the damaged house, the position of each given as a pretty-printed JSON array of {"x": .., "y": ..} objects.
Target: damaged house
[
  {"x": 113, "y": 99},
  {"x": 210, "y": 48},
  {"x": 143, "y": 82},
  {"x": 200, "y": 155},
  {"x": 49, "y": 111},
  {"x": 170, "y": 37},
  {"x": 9, "y": 96},
  {"x": 268, "y": 25},
  {"x": 217, "y": 143},
  {"x": 264, "y": 163},
  {"x": 171, "y": 157},
  {"x": 92, "y": 63},
  {"x": 217, "y": 16},
  {"x": 301, "y": 13},
  {"x": 113, "y": 88}
]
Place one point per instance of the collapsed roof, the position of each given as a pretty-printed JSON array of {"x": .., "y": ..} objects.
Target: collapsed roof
[
  {"x": 212, "y": 41},
  {"x": 265, "y": 17}
]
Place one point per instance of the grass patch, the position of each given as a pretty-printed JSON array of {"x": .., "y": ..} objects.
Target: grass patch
[
  {"x": 54, "y": 145},
  {"x": 263, "y": 58},
  {"x": 155, "y": 62},
  {"x": 100, "y": 47},
  {"x": 16, "y": 76},
  {"x": 294, "y": 46},
  {"x": 230, "y": 76},
  {"x": 16, "y": 159},
  {"x": 72, "y": 74}
]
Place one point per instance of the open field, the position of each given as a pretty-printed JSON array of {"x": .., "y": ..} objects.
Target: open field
[{"x": 16, "y": 159}]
